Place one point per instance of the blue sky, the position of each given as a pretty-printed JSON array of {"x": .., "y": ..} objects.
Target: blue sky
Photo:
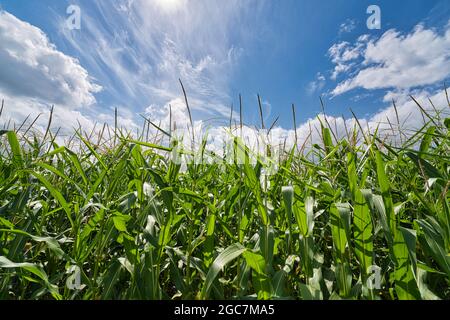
[{"x": 131, "y": 53}]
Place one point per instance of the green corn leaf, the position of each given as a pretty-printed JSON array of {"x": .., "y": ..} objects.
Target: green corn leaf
[
  {"x": 224, "y": 258},
  {"x": 110, "y": 279},
  {"x": 339, "y": 224},
  {"x": 426, "y": 167},
  {"x": 328, "y": 142},
  {"x": 34, "y": 269},
  {"x": 209, "y": 242},
  {"x": 150, "y": 145},
  {"x": 51, "y": 243},
  {"x": 434, "y": 244},
  {"x": 405, "y": 283},
  {"x": 15, "y": 149},
  {"x": 56, "y": 194},
  {"x": 362, "y": 232},
  {"x": 386, "y": 194},
  {"x": 427, "y": 139},
  {"x": 362, "y": 220},
  {"x": 255, "y": 261}
]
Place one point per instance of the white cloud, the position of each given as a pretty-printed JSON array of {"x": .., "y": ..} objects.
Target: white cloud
[
  {"x": 17, "y": 109},
  {"x": 348, "y": 26},
  {"x": 35, "y": 75},
  {"x": 395, "y": 61},
  {"x": 409, "y": 114},
  {"x": 139, "y": 49},
  {"x": 317, "y": 84},
  {"x": 64, "y": 120},
  {"x": 343, "y": 55},
  {"x": 169, "y": 6},
  {"x": 172, "y": 115},
  {"x": 31, "y": 67}
]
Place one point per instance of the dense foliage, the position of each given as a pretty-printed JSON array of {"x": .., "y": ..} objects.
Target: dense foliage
[{"x": 132, "y": 224}]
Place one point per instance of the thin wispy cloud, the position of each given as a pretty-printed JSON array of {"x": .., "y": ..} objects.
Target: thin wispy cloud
[
  {"x": 139, "y": 49},
  {"x": 317, "y": 84},
  {"x": 348, "y": 26}
]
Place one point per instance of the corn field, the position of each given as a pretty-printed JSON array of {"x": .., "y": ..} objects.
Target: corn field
[{"x": 356, "y": 217}]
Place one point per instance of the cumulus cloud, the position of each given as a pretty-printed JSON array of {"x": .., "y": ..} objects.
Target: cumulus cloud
[
  {"x": 31, "y": 67},
  {"x": 18, "y": 109},
  {"x": 170, "y": 116},
  {"x": 394, "y": 61},
  {"x": 392, "y": 124},
  {"x": 22, "y": 112},
  {"x": 344, "y": 54},
  {"x": 35, "y": 75}
]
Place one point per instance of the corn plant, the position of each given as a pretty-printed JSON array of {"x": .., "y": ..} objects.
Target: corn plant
[{"x": 355, "y": 217}]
